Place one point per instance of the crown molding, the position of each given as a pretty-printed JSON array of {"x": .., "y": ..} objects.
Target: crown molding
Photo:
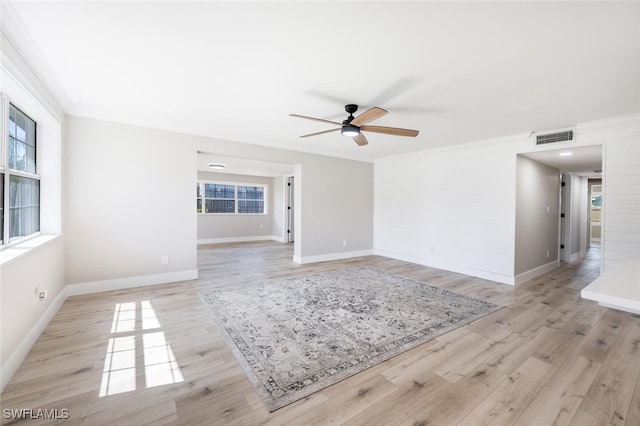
[{"x": 26, "y": 59}]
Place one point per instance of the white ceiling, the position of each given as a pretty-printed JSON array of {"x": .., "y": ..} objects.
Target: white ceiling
[
  {"x": 458, "y": 72},
  {"x": 243, "y": 166}
]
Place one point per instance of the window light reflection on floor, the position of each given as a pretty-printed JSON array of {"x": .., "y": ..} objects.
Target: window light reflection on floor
[
  {"x": 124, "y": 318},
  {"x": 119, "y": 373},
  {"x": 160, "y": 365},
  {"x": 149, "y": 319}
]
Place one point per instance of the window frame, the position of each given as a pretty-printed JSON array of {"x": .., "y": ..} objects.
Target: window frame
[
  {"x": 264, "y": 186},
  {"x": 7, "y": 173}
]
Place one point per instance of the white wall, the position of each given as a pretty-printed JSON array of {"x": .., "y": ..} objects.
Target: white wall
[
  {"x": 232, "y": 227},
  {"x": 279, "y": 208},
  {"x": 21, "y": 319},
  {"x": 537, "y": 215},
  {"x": 130, "y": 201},
  {"x": 336, "y": 206},
  {"x": 455, "y": 208}
]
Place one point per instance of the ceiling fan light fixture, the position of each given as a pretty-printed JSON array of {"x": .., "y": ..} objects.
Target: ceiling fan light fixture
[
  {"x": 350, "y": 131},
  {"x": 217, "y": 166}
]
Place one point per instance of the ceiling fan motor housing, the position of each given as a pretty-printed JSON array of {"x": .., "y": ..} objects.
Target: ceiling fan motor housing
[{"x": 351, "y": 108}]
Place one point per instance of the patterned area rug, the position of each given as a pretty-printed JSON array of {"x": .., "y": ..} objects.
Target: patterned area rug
[{"x": 296, "y": 336}]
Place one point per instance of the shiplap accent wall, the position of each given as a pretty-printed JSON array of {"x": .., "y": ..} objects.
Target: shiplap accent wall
[
  {"x": 621, "y": 188},
  {"x": 454, "y": 208}
]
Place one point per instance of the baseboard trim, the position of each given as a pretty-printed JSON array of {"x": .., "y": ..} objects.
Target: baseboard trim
[
  {"x": 331, "y": 256},
  {"x": 130, "y": 282},
  {"x": 531, "y": 274},
  {"x": 20, "y": 353},
  {"x": 487, "y": 275},
  {"x": 239, "y": 239}
]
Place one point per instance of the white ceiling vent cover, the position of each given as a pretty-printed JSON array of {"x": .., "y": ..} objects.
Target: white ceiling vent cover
[{"x": 566, "y": 135}]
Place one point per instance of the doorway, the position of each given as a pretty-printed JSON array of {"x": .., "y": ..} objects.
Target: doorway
[
  {"x": 594, "y": 228},
  {"x": 581, "y": 172},
  {"x": 290, "y": 210}
]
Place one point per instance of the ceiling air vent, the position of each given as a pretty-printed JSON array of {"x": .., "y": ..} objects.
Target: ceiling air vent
[{"x": 562, "y": 136}]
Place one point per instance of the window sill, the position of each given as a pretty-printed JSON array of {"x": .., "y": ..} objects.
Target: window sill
[{"x": 11, "y": 252}]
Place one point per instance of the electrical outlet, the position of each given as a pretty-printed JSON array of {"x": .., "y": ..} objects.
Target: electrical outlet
[
  {"x": 261, "y": 226},
  {"x": 164, "y": 259},
  {"x": 344, "y": 243},
  {"x": 547, "y": 253}
]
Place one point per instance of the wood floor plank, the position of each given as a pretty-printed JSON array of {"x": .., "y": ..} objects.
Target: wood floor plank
[
  {"x": 518, "y": 349},
  {"x": 633, "y": 417},
  {"x": 559, "y": 347},
  {"x": 610, "y": 396},
  {"x": 399, "y": 406},
  {"x": 510, "y": 399},
  {"x": 547, "y": 357},
  {"x": 348, "y": 402},
  {"x": 459, "y": 363},
  {"x": 558, "y": 401},
  {"x": 454, "y": 402}
]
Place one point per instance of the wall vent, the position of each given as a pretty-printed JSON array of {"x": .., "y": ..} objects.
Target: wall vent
[{"x": 562, "y": 136}]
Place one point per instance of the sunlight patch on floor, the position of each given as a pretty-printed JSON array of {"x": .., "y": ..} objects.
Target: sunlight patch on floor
[{"x": 158, "y": 361}]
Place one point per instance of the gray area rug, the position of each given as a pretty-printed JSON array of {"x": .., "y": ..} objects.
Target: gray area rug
[{"x": 295, "y": 336}]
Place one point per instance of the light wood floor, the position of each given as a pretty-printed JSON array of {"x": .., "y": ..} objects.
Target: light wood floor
[{"x": 549, "y": 357}]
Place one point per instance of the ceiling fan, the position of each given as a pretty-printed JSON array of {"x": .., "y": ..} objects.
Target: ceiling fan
[{"x": 352, "y": 127}]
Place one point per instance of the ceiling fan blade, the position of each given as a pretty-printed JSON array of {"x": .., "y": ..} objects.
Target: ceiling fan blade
[
  {"x": 368, "y": 116},
  {"x": 316, "y": 119},
  {"x": 390, "y": 130},
  {"x": 360, "y": 139},
  {"x": 319, "y": 133}
]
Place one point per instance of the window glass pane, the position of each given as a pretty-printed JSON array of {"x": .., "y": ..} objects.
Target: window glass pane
[
  {"x": 20, "y": 162},
  {"x": 250, "y": 193},
  {"x": 198, "y": 190},
  {"x": 31, "y": 133},
  {"x": 199, "y": 205},
  {"x": 24, "y": 206},
  {"x": 250, "y": 206},
  {"x": 22, "y": 141},
  {"x": 215, "y": 190},
  {"x": 21, "y": 126},
  {"x": 219, "y": 206},
  {"x": 12, "y": 152},
  {"x": 12, "y": 122},
  {"x": 31, "y": 159}
]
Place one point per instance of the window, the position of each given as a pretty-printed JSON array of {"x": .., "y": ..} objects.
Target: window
[
  {"x": 220, "y": 197},
  {"x": 20, "y": 183}
]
